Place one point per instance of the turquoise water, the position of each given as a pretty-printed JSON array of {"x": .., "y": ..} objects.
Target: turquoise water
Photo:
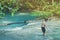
[
  {"x": 29, "y": 31},
  {"x": 17, "y": 21}
]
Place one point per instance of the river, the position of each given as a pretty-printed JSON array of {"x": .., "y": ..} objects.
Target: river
[{"x": 29, "y": 31}]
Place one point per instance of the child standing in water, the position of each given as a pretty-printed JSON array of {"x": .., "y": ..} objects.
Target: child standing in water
[{"x": 43, "y": 26}]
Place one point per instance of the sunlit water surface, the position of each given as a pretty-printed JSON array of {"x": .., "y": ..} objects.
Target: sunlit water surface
[{"x": 29, "y": 31}]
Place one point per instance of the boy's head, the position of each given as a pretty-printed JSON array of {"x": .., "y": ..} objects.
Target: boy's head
[{"x": 46, "y": 19}]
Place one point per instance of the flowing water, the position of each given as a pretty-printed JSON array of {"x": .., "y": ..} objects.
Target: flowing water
[{"x": 29, "y": 31}]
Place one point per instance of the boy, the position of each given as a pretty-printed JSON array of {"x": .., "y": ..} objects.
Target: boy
[{"x": 43, "y": 26}]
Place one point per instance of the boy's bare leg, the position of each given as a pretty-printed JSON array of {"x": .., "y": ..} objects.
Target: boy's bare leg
[{"x": 44, "y": 34}]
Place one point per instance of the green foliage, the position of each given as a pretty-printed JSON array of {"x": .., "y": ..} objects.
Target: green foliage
[
  {"x": 43, "y": 7},
  {"x": 2, "y": 15},
  {"x": 42, "y": 14}
]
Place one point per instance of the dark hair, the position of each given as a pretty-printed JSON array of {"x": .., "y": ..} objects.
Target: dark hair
[{"x": 46, "y": 19}]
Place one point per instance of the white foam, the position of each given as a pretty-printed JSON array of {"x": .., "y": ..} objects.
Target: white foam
[
  {"x": 13, "y": 29},
  {"x": 6, "y": 21},
  {"x": 37, "y": 28},
  {"x": 33, "y": 23}
]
